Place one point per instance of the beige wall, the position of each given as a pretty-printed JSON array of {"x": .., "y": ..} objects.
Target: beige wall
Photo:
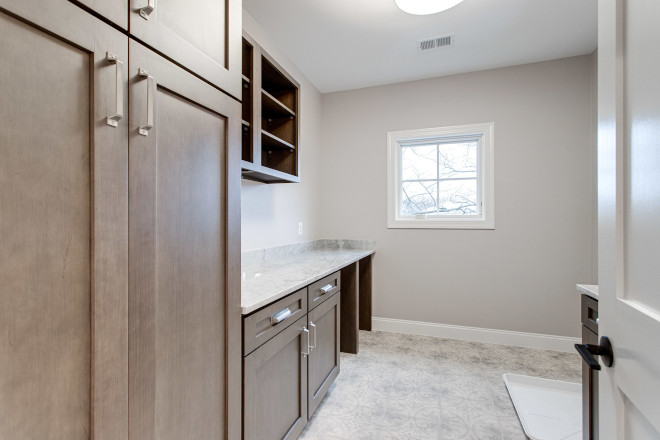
[
  {"x": 270, "y": 213},
  {"x": 522, "y": 275}
]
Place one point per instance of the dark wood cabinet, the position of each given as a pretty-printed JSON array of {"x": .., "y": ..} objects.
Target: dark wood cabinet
[
  {"x": 270, "y": 118},
  {"x": 291, "y": 358},
  {"x": 184, "y": 337},
  {"x": 203, "y": 36},
  {"x": 323, "y": 360},
  {"x": 86, "y": 349},
  {"x": 275, "y": 390},
  {"x": 63, "y": 228}
]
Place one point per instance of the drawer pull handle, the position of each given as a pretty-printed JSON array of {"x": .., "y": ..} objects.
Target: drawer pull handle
[
  {"x": 280, "y": 316},
  {"x": 327, "y": 288}
]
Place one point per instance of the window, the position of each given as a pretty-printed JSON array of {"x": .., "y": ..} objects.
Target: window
[{"x": 441, "y": 177}]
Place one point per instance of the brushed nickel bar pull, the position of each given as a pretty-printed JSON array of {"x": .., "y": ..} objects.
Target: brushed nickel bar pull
[
  {"x": 113, "y": 120},
  {"x": 151, "y": 91},
  {"x": 145, "y": 11},
  {"x": 313, "y": 327},
  {"x": 306, "y": 353},
  {"x": 327, "y": 288},
  {"x": 280, "y": 316}
]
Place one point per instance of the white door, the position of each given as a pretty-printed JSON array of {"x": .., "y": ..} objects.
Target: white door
[{"x": 629, "y": 216}]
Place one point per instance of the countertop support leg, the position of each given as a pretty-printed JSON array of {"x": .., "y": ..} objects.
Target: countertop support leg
[
  {"x": 350, "y": 335},
  {"x": 364, "y": 290}
]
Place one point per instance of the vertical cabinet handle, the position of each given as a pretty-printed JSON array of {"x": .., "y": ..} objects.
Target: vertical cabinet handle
[
  {"x": 313, "y": 327},
  {"x": 113, "y": 119},
  {"x": 145, "y": 11},
  {"x": 151, "y": 91},
  {"x": 306, "y": 353}
]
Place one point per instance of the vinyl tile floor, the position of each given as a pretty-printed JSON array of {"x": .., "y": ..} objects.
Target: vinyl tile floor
[{"x": 409, "y": 387}]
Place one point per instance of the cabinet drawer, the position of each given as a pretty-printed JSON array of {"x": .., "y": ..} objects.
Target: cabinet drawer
[
  {"x": 323, "y": 289},
  {"x": 263, "y": 324},
  {"x": 589, "y": 312}
]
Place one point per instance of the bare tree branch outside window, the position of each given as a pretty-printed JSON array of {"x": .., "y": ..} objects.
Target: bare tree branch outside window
[{"x": 439, "y": 179}]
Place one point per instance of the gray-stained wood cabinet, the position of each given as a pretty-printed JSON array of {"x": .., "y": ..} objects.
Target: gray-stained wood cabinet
[
  {"x": 291, "y": 350},
  {"x": 203, "y": 36},
  {"x": 184, "y": 337},
  {"x": 86, "y": 354},
  {"x": 275, "y": 379}
]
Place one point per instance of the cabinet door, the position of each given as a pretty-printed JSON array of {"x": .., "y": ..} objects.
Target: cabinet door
[
  {"x": 323, "y": 360},
  {"x": 63, "y": 225},
  {"x": 275, "y": 393},
  {"x": 184, "y": 247},
  {"x": 204, "y": 36},
  {"x": 114, "y": 10}
]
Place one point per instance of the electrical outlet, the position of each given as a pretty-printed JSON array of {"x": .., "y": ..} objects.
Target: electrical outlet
[{"x": 300, "y": 228}]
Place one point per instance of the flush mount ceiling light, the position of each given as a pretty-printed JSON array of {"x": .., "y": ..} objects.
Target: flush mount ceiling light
[{"x": 425, "y": 7}]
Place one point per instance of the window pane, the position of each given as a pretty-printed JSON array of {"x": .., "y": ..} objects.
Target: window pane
[
  {"x": 419, "y": 162},
  {"x": 458, "y": 160},
  {"x": 458, "y": 197},
  {"x": 418, "y": 198}
]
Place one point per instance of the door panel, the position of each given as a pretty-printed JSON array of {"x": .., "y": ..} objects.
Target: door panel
[
  {"x": 114, "y": 10},
  {"x": 323, "y": 359},
  {"x": 185, "y": 309},
  {"x": 275, "y": 378},
  {"x": 204, "y": 36},
  {"x": 629, "y": 212},
  {"x": 63, "y": 210}
]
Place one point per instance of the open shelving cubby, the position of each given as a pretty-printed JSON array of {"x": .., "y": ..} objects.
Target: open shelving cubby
[{"x": 270, "y": 118}]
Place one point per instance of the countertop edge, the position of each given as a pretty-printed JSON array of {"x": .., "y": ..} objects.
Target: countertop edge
[
  {"x": 246, "y": 310},
  {"x": 588, "y": 289}
]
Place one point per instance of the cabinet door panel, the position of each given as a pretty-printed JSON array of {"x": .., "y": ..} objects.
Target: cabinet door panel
[
  {"x": 63, "y": 227},
  {"x": 204, "y": 36},
  {"x": 114, "y": 10},
  {"x": 185, "y": 304},
  {"x": 276, "y": 386},
  {"x": 323, "y": 361}
]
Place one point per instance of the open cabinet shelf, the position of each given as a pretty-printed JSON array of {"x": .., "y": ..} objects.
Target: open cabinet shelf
[{"x": 270, "y": 118}]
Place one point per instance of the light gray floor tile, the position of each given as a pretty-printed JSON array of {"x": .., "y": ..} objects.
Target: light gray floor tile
[{"x": 407, "y": 387}]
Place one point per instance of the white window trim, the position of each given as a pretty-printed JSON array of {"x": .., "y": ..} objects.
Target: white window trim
[{"x": 483, "y": 133}]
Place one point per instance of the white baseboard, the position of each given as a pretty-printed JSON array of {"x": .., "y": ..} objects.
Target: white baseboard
[{"x": 474, "y": 334}]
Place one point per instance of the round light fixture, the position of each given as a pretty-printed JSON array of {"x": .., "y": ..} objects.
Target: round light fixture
[{"x": 425, "y": 7}]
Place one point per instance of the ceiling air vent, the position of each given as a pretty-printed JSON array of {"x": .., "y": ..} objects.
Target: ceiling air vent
[{"x": 435, "y": 43}]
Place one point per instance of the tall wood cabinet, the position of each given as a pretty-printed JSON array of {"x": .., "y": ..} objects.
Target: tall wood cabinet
[{"x": 85, "y": 353}]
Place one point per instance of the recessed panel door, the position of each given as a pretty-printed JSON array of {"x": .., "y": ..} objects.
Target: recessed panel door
[
  {"x": 184, "y": 310},
  {"x": 629, "y": 215},
  {"x": 63, "y": 225},
  {"x": 323, "y": 362},
  {"x": 204, "y": 36}
]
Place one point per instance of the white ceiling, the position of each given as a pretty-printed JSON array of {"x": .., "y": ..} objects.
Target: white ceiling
[{"x": 350, "y": 44}]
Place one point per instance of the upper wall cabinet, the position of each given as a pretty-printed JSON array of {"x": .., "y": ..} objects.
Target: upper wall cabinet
[
  {"x": 203, "y": 36},
  {"x": 270, "y": 118}
]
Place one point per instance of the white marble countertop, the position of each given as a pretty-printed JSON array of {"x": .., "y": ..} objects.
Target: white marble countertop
[
  {"x": 589, "y": 289},
  {"x": 270, "y": 274}
]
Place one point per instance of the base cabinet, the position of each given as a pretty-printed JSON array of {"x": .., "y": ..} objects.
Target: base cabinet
[
  {"x": 286, "y": 378},
  {"x": 275, "y": 390}
]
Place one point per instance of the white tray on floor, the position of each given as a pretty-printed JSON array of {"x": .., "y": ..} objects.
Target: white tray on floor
[{"x": 548, "y": 409}]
